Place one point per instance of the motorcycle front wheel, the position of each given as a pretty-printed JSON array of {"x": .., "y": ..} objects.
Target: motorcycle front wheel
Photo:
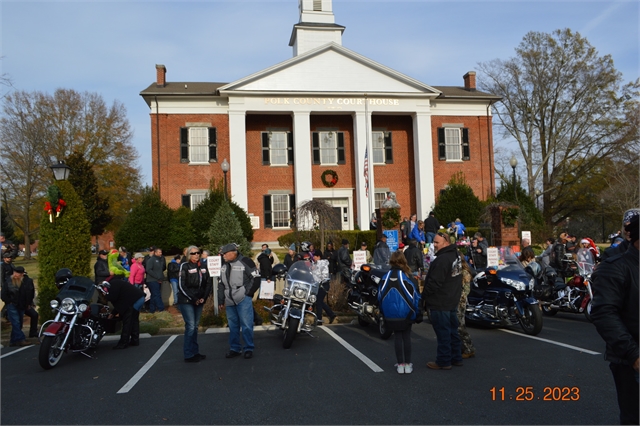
[
  {"x": 385, "y": 333},
  {"x": 290, "y": 332},
  {"x": 363, "y": 322},
  {"x": 50, "y": 351},
  {"x": 587, "y": 311},
  {"x": 531, "y": 321}
]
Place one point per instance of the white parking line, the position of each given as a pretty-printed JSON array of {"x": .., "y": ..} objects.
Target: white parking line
[
  {"x": 16, "y": 351},
  {"x": 135, "y": 379},
  {"x": 353, "y": 350},
  {"x": 575, "y": 348}
]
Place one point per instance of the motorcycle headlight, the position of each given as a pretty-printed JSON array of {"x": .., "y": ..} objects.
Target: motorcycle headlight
[
  {"x": 299, "y": 293},
  {"x": 83, "y": 307},
  {"x": 54, "y": 304},
  {"x": 286, "y": 292},
  {"x": 518, "y": 285},
  {"x": 68, "y": 306},
  {"x": 312, "y": 298}
]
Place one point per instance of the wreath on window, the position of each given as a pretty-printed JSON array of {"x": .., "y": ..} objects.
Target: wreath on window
[
  {"x": 329, "y": 178},
  {"x": 391, "y": 218},
  {"x": 510, "y": 217}
]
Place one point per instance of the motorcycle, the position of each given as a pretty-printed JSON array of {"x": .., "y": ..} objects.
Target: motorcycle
[
  {"x": 78, "y": 325},
  {"x": 575, "y": 295},
  {"x": 503, "y": 296},
  {"x": 292, "y": 310},
  {"x": 362, "y": 297}
]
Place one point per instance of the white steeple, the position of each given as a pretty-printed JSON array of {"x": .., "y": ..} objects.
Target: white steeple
[{"x": 316, "y": 27}]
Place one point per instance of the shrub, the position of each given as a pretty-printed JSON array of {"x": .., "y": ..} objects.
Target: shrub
[
  {"x": 147, "y": 224},
  {"x": 458, "y": 201},
  {"x": 225, "y": 228}
]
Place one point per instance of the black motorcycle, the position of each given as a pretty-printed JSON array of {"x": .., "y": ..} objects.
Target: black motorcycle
[
  {"x": 78, "y": 326},
  {"x": 503, "y": 296},
  {"x": 362, "y": 297}
]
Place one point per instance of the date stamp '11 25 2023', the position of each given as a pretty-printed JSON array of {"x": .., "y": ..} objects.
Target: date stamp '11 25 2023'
[{"x": 528, "y": 393}]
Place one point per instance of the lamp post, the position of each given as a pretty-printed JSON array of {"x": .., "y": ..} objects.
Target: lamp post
[
  {"x": 538, "y": 193},
  {"x": 602, "y": 212},
  {"x": 60, "y": 170},
  {"x": 514, "y": 163},
  {"x": 225, "y": 168}
]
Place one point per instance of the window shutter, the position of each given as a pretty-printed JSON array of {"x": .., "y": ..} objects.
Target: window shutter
[
  {"x": 267, "y": 212},
  {"x": 341, "y": 159},
  {"x": 184, "y": 144},
  {"x": 316, "y": 147},
  {"x": 292, "y": 208},
  {"x": 265, "y": 149},
  {"x": 465, "y": 144},
  {"x": 186, "y": 201},
  {"x": 289, "y": 148},
  {"x": 213, "y": 144},
  {"x": 442, "y": 153},
  {"x": 388, "y": 151}
]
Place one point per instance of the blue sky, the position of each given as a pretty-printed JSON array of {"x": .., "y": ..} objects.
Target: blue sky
[{"x": 112, "y": 47}]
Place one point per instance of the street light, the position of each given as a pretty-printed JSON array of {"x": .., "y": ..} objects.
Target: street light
[
  {"x": 225, "y": 168},
  {"x": 602, "y": 211},
  {"x": 60, "y": 170},
  {"x": 538, "y": 193},
  {"x": 514, "y": 162}
]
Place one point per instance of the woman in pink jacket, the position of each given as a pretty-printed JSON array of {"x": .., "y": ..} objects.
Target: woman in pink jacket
[{"x": 137, "y": 271}]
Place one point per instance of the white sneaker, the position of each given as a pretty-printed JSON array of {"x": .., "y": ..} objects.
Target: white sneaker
[
  {"x": 408, "y": 368},
  {"x": 400, "y": 368}
]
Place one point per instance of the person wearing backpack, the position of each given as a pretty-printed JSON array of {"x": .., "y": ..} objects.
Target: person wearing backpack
[{"x": 399, "y": 301}]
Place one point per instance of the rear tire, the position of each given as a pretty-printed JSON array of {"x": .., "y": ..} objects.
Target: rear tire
[
  {"x": 50, "y": 352},
  {"x": 385, "y": 333},
  {"x": 290, "y": 332},
  {"x": 531, "y": 322}
]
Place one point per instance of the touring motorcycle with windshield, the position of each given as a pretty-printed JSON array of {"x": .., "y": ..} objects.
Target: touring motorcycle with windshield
[
  {"x": 292, "y": 310},
  {"x": 362, "y": 297},
  {"x": 502, "y": 295},
  {"x": 78, "y": 326}
]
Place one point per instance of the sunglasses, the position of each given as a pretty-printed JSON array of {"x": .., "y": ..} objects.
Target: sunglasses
[
  {"x": 445, "y": 236},
  {"x": 194, "y": 253}
]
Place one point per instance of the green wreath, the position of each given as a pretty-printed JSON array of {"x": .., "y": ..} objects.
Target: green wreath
[
  {"x": 331, "y": 182},
  {"x": 510, "y": 217},
  {"x": 391, "y": 218}
]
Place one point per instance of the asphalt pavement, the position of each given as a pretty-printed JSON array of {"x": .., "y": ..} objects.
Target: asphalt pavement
[{"x": 342, "y": 375}]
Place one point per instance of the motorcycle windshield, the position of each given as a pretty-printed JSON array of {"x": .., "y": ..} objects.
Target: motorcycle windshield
[
  {"x": 300, "y": 272},
  {"x": 585, "y": 261},
  {"x": 80, "y": 289}
]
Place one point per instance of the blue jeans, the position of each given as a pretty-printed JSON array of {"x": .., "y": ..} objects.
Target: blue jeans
[
  {"x": 191, "y": 316},
  {"x": 155, "y": 303},
  {"x": 174, "y": 287},
  {"x": 429, "y": 236},
  {"x": 241, "y": 316},
  {"x": 445, "y": 325},
  {"x": 16, "y": 316}
]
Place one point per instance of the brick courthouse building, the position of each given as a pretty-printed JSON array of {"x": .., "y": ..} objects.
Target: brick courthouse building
[{"x": 284, "y": 128}]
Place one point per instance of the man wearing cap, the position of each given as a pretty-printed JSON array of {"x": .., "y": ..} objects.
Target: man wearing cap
[
  {"x": 154, "y": 268},
  {"x": 101, "y": 268},
  {"x": 289, "y": 258},
  {"x": 381, "y": 252},
  {"x": 622, "y": 246},
  {"x": 17, "y": 293},
  {"x": 344, "y": 262},
  {"x": 363, "y": 247},
  {"x": 239, "y": 280},
  {"x": 615, "y": 314},
  {"x": 7, "y": 246},
  {"x": 6, "y": 267}
]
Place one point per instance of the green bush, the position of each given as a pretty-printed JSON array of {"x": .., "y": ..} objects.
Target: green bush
[
  {"x": 64, "y": 243},
  {"x": 147, "y": 224},
  {"x": 225, "y": 228},
  {"x": 182, "y": 234},
  {"x": 458, "y": 201}
]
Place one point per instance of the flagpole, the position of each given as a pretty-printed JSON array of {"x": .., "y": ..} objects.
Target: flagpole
[{"x": 369, "y": 157}]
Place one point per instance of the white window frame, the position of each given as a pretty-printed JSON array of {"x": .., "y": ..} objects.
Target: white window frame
[
  {"x": 199, "y": 145},
  {"x": 328, "y": 145},
  {"x": 278, "y": 155},
  {"x": 453, "y": 143},
  {"x": 280, "y": 218},
  {"x": 379, "y": 155},
  {"x": 196, "y": 198},
  {"x": 378, "y": 198}
]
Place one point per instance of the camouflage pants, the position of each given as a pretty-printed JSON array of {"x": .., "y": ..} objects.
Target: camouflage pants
[{"x": 467, "y": 344}]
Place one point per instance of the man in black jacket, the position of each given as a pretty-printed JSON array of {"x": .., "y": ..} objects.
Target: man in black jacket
[
  {"x": 615, "y": 315},
  {"x": 127, "y": 300},
  {"x": 344, "y": 262},
  {"x": 17, "y": 293},
  {"x": 414, "y": 257},
  {"x": 442, "y": 290},
  {"x": 101, "y": 268},
  {"x": 624, "y": 245},
  {"x": 431, "y": 227}
]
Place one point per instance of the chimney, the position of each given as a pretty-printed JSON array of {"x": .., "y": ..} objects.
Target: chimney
[
  {"x": 470, "y": 81},
  {"x": 161, "y": 75}
]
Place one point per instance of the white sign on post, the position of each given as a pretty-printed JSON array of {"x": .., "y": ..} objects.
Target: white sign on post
[
  {"x": 359, "y": 258},
  {"x": 526, "y": 235},
  {"x": 267, "y": 289},
  {"x": 493, "y": 256},
  {"x": 214, "y": 263}
]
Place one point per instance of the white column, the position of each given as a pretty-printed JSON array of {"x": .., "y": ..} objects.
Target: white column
[
  {"x": 361, "y": 125},
  {"x": 423, "y": 163},
  {"x": 302, "y": 157},
  {"x": 238, "y": 158}
]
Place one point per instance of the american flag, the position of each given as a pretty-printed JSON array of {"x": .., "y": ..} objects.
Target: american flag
[{"x": 366, "y": 172}]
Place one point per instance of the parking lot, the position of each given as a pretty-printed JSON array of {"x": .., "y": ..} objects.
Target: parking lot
[{"x": 344, "y": 375}]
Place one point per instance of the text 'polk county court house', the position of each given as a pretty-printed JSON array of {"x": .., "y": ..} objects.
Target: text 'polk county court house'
[{"x": 326, "y": 109}]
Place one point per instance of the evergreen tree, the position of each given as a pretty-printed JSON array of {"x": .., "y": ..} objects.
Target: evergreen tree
[
  {"x": 65, "y": 242},
  {"x": 148, "y": 223},
  {"x": 458, "y": 201},
  {"x": 5, "y": 225},
  {"x": 181, "y": 234},
  {"x": 205, "y": 211},
  {"x": 84, "y": 181},
  {"x": 225, "y": 228},
  {"x": 529, "y": 213}
]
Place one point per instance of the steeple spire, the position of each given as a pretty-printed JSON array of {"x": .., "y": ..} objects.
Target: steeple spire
[{"x": 316, "y": 27}]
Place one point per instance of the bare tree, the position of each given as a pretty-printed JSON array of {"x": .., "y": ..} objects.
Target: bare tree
[
  {"x": 566, "y": 109},
  {"x": 317, "y": 215}
]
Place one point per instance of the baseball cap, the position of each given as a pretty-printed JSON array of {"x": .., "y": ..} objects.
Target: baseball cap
[
  {"x": 228, "y": 247},
  {"x": 19, "y": 269},
  {"x": 103, "y": 252}
]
